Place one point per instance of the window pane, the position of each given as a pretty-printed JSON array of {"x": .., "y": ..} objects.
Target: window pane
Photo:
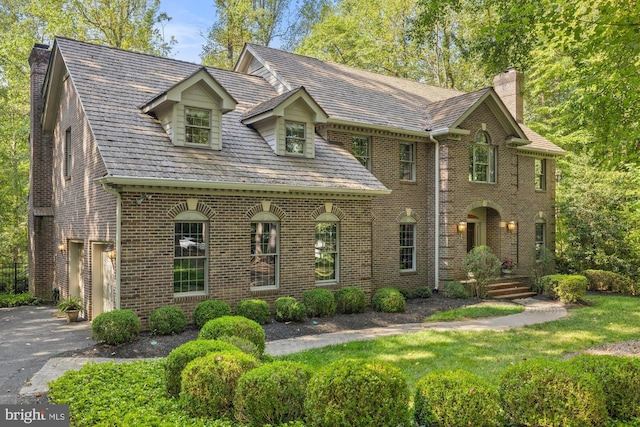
[
  {"x": 190, "y": 257},
  {"x": 407, "y": 162},
  {"x": 360, "y": 149},
  {"x": 263, "y": 266},
  {"x": 407, "y": 246},
  {"x": 198, "y": 124},
  {"x": 295, "y": 137},
  {"x": 326, "y": 251}
]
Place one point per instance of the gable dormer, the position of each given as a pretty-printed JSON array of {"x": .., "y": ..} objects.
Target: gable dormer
[
  {"x": 287, "y": 122},
  {"x": 191, "y": 111}
]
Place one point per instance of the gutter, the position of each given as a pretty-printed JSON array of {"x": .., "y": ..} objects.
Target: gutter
[{"x": 109, "y": 189}]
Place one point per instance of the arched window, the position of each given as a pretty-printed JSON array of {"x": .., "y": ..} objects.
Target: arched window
[
  {"x": 327, "y": 248},
  {"x": 190, "y": 253},
  {"x": 482, "y": 159},
  {"x": 265, "y": 251}
]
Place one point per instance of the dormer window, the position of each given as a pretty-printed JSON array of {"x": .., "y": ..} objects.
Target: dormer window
[
  {"x": 197, "y": 126},
  {"x": 295, "y": 137}
]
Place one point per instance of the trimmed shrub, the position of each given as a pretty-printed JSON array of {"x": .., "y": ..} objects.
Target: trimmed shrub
[
  {"x": 208, "y": 310},
  {"x": 289, "y": 309},
  {"x": 620, "y": 380},
  {"x": 608, "y": 281},
  {"x": 406, "y": 293},
  {"x": 319, "y": 303},
  {"x": 209, "y": 382},
  {"x": 234, "y": 325},
  {"x": 350, "y": 299},
  {"x": 456, "y": 398},
  {"x": 254, "y": 309},
  {"x": 116, "y": 327},
  {"x": 180, "y": 356},
  {"x": 454, "y": 289},
  {"x": 567, "y": 288},
  {"x": 352, "y": 392},
  {"x": 388, "y": 300},
  {"x": 543, "y": 393},
  {"x": 422, "y": 292},
  {"x": 167, "y": 320},
  {"x": 243, "y": 344},
  {"x": 272, "y": 394}
]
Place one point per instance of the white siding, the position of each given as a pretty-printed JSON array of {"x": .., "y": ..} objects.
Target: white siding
[
  {"x": 257, "y": 69},
  {"x": 299, "y": 112},
  {"x": 267, "y": 130},
  {"x": 198, "y": 96}
]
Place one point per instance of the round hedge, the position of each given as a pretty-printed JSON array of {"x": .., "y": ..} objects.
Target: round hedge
[
  {"x": 272, "y": 394},
  {"x": 254, "y": 309},
  {"x": 351, "y": 392},
  {"x": 180, "y": 356},
  {"x": 544, "y": 393},
  {"x": 243, "y": 344},
  {"x": 319, "y": 303},
  {"x": 288, "y": 309},
  {"x": 620, "y": 380},
  {"x": 389, "y": 300},
  {"x": 234, "y": 326},
  {"x": 208, "y": 310},
  {"x": 116, "y": 327},
  {"x": 456, "y": 398},
  {"x": 209, "y": 382},
  {"x": 350, "y": 299},
  {"x": 167, "y": 320}
]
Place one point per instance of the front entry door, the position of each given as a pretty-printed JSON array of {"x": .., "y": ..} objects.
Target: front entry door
[
  {"x": 103, "y": 282},
  {"x": 76, "y": 269}
]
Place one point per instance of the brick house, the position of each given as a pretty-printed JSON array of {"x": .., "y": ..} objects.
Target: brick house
[{"x": 155, "y": 181}]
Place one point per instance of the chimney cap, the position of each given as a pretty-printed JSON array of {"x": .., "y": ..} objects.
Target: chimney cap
[{"x": 41, "y": 46}]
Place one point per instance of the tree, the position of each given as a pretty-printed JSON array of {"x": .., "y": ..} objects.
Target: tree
[{"x": 484, "y": 265}]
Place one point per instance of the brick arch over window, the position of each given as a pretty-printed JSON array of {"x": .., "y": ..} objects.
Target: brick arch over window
[
  {"x": 329, "y": 208},
  {"x": 408, "y": 215},
  {"x": 191, "y": 205},
  {"x": 485, "y": 204},
  {"x": 540, "y": 217},
  {"x": 266, "y": 206}
]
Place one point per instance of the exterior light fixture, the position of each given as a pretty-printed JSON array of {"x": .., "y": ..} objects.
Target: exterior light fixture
[
  {"x": 462, "y": 226},
  {"x": 111, "y": 252},
  {"x": 61, "y": 247},
  {"x": 511, "y": 226}
]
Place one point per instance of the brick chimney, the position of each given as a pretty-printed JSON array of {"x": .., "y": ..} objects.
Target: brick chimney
[{"x": 510, "y": 88}]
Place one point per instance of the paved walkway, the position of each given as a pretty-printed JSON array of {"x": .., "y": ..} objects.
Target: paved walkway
[{"x": 535, "y": 312}]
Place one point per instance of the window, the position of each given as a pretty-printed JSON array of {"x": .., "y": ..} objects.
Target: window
[
  {"x": 541, "y": 174},
  {"x": 407, "y": 247},
  {"x": 295, "y": 137},
  {"x": 482, "y": 159},
  {"x": 198, "y": 126},
  {"x": 326, "y": 252},
  {"x": 67, "y": 153},
  {"x": 540, "y": 239},
  {"x": 190, "y": 258},
  {"x": 264, "y": 254},
  {"x": 407, "y": 162},
  {"x": 361, "y": 150}
]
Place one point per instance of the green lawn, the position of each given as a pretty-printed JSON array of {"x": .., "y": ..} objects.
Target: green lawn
[{"x": 476, "y": 311}]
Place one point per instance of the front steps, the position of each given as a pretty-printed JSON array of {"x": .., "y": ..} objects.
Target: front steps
[{"x": 508, "y": 289}]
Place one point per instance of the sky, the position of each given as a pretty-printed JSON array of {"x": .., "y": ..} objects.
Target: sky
[{"x": 190, "y": 22}]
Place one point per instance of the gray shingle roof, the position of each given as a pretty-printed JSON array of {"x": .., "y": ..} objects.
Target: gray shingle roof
[{"x": 112, "y": 84}]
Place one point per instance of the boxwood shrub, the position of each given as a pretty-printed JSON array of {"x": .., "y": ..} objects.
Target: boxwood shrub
[
  {"x": 243, "y": 344},
  {"x": 544, "y": 393},
  {"x": 620, "y": 380},
  {"x": 289, "y": 309},
  {"x": 234, "y": 326},
  {"x": 350, "y": 299},
  {"x": 388, "y": 300},
  {"x": 568, "y": 288},
  {"x": 352, "y": 392},
  {"x": 167, "y": 320},
  {"x": 254, "y": 309},
  {"x": 422, "y": 292},
  {"x": 272, "y": 394},
  {"x": 454, "y": 289},
  {"x": 209, "y": 382},
  {"x": 116, "y": 327},
  {"x": 319, "y": 303},
  {"x": 608, "y": 281},
  {"x": 210, "y": 309},
  {"x": 180, "y": 356},
  {"x": 456, "y": 398}
]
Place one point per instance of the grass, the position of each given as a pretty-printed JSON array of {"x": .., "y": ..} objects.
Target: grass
[{"x": 474, "y": 312}]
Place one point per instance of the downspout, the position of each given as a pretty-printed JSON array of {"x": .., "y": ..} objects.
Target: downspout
[
  {"x": 436, "y": 210},
  {"x": 116, "y": 193}
]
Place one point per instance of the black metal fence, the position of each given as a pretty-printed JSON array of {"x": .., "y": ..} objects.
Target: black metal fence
[{"x": 14, "y": 278}]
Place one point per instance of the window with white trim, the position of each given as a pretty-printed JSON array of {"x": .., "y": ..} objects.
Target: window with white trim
[
  {"x": 361, "y": 149},
  {"x": 407, "y": 161},
  {"x": 190, "y": 257},
  {"x": 540, "y": 238},
  {"x": 482, "y": 159},
  {"x": 265, "y": 257},
  {"x": 540, "y": 166},
  {"x": 197, "y": 126},
  {"x": 407, "y": 244},
  {"x": 327, "y": 257},
  {"x": 295, "y": 137}
]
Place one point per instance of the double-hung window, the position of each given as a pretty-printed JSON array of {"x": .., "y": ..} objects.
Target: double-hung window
[
  {"x": 540, "y": 239},
  {"x": 264, "y": 266},
  {"x": 407, "y": 162},
  {"x": 407, "y": 246},
  {"x": 197, "y": 126},
  {"x": 361, "y": 149},
  {"x": 190, "y": 258},
  {"x": 482, "y": 159},
  {"x": 295, "y": 137},
  {"x": 540, "y": 166},
  {"x": 326, "y": 250}
]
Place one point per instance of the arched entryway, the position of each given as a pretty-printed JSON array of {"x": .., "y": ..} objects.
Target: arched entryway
[{"x": 484, "y": 221}]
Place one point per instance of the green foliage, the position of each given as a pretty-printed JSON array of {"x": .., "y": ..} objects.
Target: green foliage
[
  {"x": 272, "y": 394},
  {"x": 209, "y": 382},
  {"x": 545, "y": 266},
  {"x": 456, "y": 398},
  {"x": 15, "y": 300},
  {"x": 388, "y": 300},
  {"x": 355, "y": 393},
  {"x": 234, "y": 326},
  {"x": 544, "y": 393},
  {"x": 422, "y": 292},
  {"x": 319, "y": 303},
  {"x": 569, "y": 289},
  {"x": 167, "y": 320},
  {"x": 289, "y": 309},
  {"x": 185, "y": 353},
  {"x": 454, "y": 289},
  {"x": 406, "y": 293},
  {"x": 620, "y": 380},
  {"x": 70, "y": 303},
  {"x": 116, "y": 327},
  {"x": 608, "y": 281},
  {"x": 350, "y": 299},
  {"x": 210, "y": 309},
  {"x": 243, "y": 344},
  {"x": 484, "y": 265},
  {"x": 254, "y": 309}
]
